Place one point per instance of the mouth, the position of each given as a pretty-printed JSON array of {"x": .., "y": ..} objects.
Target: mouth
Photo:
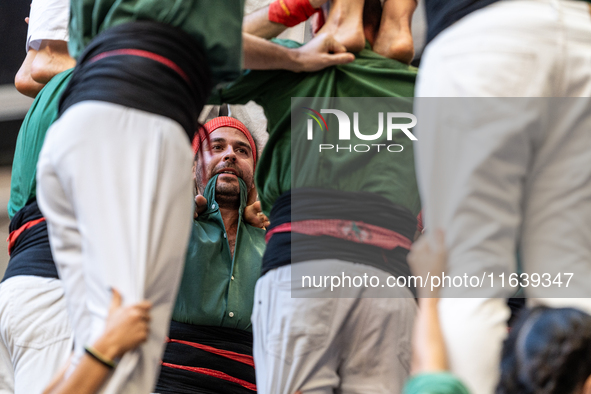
[{"x": 227, "y": 171}]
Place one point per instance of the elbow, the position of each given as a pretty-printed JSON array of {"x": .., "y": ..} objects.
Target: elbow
[{"x": 25, "y": 84}]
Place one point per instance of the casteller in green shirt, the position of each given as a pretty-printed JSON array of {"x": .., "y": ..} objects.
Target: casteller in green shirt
[
  {"x": 41, "y": 115},
  {"x": 391, "y": 175},
  {"x": 218, "y": 289},
  {"x": 215, "y": 25}
]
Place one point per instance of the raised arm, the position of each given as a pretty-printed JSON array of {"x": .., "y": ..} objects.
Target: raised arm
[
  {"x": 126, "y": 328},
  {"x": 47, "y": 46},
  {"x": 428, "y": 255},
  {"x": 272, "y": 20},
  {"x": 258, "y": 24},
  {"x": 23, "y": 81},
  {"x": 321, "y": 52}
]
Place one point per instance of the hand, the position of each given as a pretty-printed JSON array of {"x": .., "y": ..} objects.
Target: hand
[
  {"x": 254, "y": 216},
  {"x": 321, "y": 52},
  {"x": 200, "y": 205},
  {"x": 125, "y": 329},
  {"x": 428, "y": 256}
]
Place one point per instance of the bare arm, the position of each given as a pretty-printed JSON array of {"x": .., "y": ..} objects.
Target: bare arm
[
  {"x": 321, "y": 52},
  {"x": 126, "y": 328},
  {"x": 87, "y": 378},
  {"x": 23, "y": 81},
  {"x": 42, "y": 65},
  {"x": 258, "y": 24},
  {"x": 52, "y": 58},
  {"x": 429, "y": 354}
]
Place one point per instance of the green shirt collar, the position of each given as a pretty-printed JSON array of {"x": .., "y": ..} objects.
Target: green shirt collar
[{"x": 209, "y": 194}]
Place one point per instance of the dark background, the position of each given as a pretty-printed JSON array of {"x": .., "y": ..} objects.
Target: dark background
[{"x": 13, "y": 35}]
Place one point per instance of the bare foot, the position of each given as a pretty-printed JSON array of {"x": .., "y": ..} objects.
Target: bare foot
[
  {"x": 394, "y": 39},
  {"x": 23, "y": 81},
  {"x": 52, "y": 58},
  {"x": 395, "y": 45},
  {"x": 345, "y": 24}
]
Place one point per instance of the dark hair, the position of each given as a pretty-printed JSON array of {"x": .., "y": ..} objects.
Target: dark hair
[{"x": 548, "y": 351}]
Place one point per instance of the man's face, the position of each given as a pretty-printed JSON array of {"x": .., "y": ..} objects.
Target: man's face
[{"x": 231, "y": 156}]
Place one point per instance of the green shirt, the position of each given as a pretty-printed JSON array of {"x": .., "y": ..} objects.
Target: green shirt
[
  {"x": 41, "y": 115},
  {"x": 435, "y": 383},
  {"x": 215, "y": 24},
  {"x": 216, "y": 289},
  {"x": 370, "y": 75}
]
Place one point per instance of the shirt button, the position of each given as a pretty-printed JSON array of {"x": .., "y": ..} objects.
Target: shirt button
[
  {"x": 231, "y": 314},
  {"x": 232, "y": 277},
  {"x": 212, "y": 206},
  {"x": 224, "y": 235}
]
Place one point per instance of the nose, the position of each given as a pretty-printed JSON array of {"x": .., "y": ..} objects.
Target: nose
[{"x": 229, "y": 154}]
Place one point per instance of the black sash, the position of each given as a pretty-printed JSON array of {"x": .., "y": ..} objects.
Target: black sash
[
  {"x": 30, "y": 254},
  {"x": 144, "y": 65},
  {"x": 314, "y": 204}
]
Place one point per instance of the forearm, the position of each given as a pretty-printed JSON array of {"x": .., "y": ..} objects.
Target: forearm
[
  {"x": 429, "y": 344},
  {"x": 86, "y": 379},
  {"x": 260, "y": 54},
  {"x": 258, "y": 24},
  {"x": 52, "y": 58},
  {"x": 23, "y": 81},
  {"x": 321, "y": 52},
  {"x": 272, "y": 20},
  {"x": 89, "y": 375}
]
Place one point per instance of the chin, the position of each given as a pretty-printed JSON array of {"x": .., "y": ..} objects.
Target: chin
[{"x": 228, "y": 188}]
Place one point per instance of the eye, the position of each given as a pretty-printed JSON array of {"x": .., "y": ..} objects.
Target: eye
[
  {"x": 216, "y": 147},
  {"x": 242, "y": 150}
]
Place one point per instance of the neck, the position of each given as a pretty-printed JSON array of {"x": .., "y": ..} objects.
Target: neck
[{"x": 230, "y": 217}]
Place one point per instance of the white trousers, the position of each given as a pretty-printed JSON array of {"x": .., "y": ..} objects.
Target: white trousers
[
  {"x": 35, "y": 337},
  {"x": 492, "y": 188},
  {"x": 114, "y": 184},
  {"x": 330, "y": 345},
  {"x": 48, "y": 20}
]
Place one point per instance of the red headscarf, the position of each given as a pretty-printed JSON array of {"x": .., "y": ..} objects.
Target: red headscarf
[{"x": 223, "y": 121}]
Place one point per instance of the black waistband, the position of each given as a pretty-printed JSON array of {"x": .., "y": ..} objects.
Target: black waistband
[
  {"x": 314, "y": 204},
  {"x": 443, "y": 13},
  {"x": 144, "y": 65},
  {"x": 31, "y": 254},
  {"x": 179, "y": 352},
  {"x": 232, "y": 339}
]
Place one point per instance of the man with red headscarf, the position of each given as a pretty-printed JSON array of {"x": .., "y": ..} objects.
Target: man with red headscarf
[{"x": 209, "y": 349}]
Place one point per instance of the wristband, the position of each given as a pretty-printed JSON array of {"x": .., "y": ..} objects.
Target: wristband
[
  {"x": 291, "y": 12},
  {"x": 99, "y": 357}
]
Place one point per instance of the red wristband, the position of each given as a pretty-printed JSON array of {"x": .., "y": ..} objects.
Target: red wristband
[{"x": 291, "y": 12}]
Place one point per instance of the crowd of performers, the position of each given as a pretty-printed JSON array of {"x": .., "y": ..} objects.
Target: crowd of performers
[{"x": 154, "y": 253}]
